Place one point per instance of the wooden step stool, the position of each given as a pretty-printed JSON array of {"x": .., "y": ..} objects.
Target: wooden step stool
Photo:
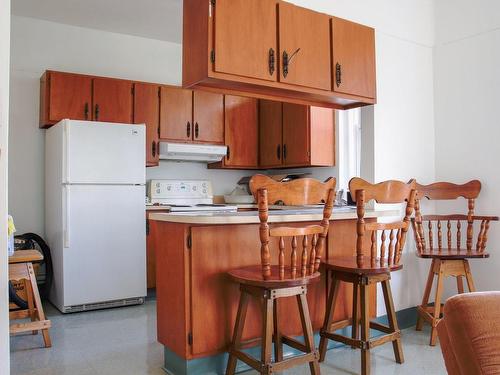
[{"x": 21, "y": 271}]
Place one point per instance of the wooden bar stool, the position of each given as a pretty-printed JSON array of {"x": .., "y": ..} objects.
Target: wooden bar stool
[
  {"x": 21, "y": 271},
  {"x": 364, "y": 270},
  {"x": 451, "y": 257},
  {"x": 270, "y": 282}
]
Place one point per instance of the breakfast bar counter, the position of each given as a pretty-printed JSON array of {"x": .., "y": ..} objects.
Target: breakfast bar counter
[{"x": 196, "y": 301}]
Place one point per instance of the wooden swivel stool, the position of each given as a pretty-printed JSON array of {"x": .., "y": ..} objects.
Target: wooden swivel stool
[
  {"x": 451, "y": 257},
  {"x": 269, "y": 282},
  {"x": 363, "y": 270},
  {"x": 21, "y": 270}
]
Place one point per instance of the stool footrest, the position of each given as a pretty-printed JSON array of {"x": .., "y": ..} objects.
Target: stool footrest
[{"x": 29, "y": 326}]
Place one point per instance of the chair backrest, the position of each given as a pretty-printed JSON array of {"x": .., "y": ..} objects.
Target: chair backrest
[
  {"x": 425, "y": 225},
  {"x": 388, "y": 192},
  {"x": 301, "y": 191}
]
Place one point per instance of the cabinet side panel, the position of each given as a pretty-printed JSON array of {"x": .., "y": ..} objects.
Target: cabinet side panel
[
  {"x": 172, "y": 286},
  {"x": 322, "y": 136},
  {"x": 44, "y": 102},
  {"x": 195, "y": 49}
]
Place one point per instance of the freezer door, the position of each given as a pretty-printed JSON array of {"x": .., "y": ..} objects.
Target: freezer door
[
  {"x": 104, "y": 246},
  {"x": 103, "y": 153}
]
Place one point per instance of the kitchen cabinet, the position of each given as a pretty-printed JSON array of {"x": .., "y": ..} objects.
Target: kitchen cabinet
[
  {"x": 240, "y": 133},
  {"x": 304, "y": 40},
  {"x": 246, "y": 38},
  {"x": 112, "y": 99},
  {"x": 266, "y": 49},
  {"x": 176, "y": 114},
  {"x": 147, "y": 111},
  {"x": 208, "y": 117},
  {"x": 353, "y": 58},
  {"x": 64, "y": 95},
  {"x": 293, "y": 135}
]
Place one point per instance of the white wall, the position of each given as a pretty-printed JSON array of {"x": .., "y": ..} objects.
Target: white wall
[
  {"x": 467, "y": 82},
  {"x": 4, "y": 122}
]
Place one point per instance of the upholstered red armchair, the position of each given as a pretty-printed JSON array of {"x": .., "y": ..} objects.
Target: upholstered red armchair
[{"x": 469, "y": 334}]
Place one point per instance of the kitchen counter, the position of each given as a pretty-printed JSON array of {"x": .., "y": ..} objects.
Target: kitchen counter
[{"x": 275, "y": 216}]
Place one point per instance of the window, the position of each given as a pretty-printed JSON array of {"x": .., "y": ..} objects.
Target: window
[{"x": 349, "y": 146}]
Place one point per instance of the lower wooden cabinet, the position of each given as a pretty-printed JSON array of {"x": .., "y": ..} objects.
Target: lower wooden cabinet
[{"x": 293, "y": 135}]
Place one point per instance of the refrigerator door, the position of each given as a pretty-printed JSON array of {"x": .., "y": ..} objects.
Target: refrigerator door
[
  {"x": 104, "y": 243},
  {"x": 103, "y": 153}
]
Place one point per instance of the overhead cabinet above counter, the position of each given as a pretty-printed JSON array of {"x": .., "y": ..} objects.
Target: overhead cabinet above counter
[{"x": 275, "y": 50}]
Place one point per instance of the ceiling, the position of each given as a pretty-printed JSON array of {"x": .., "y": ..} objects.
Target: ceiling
[{"x": 155, "y": 19}]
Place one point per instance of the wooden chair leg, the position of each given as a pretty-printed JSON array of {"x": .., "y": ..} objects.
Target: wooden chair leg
[
  {"x": 468, "y": 276},
  {"x": 238, "y": 331},
  {"x": 365, "y": 329},
  {"x": 460, "y": 285},
  {"x": 267, "y": 334},
  {"x": 31, "y": 305},
  {"x": 355, "y": 318},
  {"x": 38, "y": 305},
  {"x": 425, "y": 298},
  {"x": 437, "y": 306},
  {"x": 393, "y": 322},
  {"x": 330, "y": 309},
  {"x": 305, "y": 319},
  {"x": 278, "y": 343}
]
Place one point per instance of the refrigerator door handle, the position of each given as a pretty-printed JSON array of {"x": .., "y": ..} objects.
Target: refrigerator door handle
[
  {"x": 66, "y": 160},
  {"x": 66, "y": 219}
]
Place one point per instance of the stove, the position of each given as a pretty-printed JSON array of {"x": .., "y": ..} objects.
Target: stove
[{"x": 185, "y": 196}]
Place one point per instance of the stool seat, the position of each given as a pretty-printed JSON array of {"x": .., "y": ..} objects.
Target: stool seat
[
  {"x": 367, "y": 265},
  {"x": 252, "y": 275},
  {"x": 452, "y": 254}
]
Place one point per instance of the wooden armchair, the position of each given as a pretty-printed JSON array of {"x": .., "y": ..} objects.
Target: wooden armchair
[{"x": 450, "y": 250}]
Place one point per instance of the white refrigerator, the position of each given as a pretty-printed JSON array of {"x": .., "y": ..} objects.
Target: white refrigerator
[{"x": 95, "y": 214}]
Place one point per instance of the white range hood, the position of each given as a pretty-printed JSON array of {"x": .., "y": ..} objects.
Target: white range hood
[{"x": 192, "y": 152}]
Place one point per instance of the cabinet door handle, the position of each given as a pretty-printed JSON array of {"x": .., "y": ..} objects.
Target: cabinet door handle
[
  {"x": 228, "y": 155},
  {"x": 278, "y": 152},
  {"x": 287, "y": 59},
  {"x": 86, "y": 111},
  {"x": 188, "y": 130},
  {"x": 153, "y": 149},
  {"x": 272, "y": 59},
  {"x": 96, "y": 112},
  {"x": 284, "y": 151},
  {"x": 338, "y": 74},
  {"x": 196, "y": 130}
]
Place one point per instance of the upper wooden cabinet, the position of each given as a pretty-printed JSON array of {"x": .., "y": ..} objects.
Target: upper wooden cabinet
[
  {"x": 176, "y": 114},
  {"x": 240, "y": 133},
  {"x": 246, "y": 38},
  {"x": 64, "y": 95},
  {"x": 353, "y": 58},
  {"x": 147, "y": 111},
  {"x": 268, "y": 49},
  {"x": 293, "y": 135},
  {"x": 112, "y": 100},
  {"x": 208, "y": 117},
  {"x": 304, "y": 39}
]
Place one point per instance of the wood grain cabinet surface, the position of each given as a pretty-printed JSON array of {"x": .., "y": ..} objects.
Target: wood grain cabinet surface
[
  {"x": 64, "y": 95},
  {"x": 112, "y": 100},
  {"x": 353, "y": 58},
  {"x": 208, "y": 117},
  {"x": 176, "y": 114},
  {"x": 147, "y": 111}
]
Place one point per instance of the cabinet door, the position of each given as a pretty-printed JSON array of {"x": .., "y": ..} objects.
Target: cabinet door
[
  {"x": 322, "y": 130},
  {"x": 176, "y": 114},
  {"x": 304, "y": 38},
  {"x": 296, "y": 151},
  {"x": 112, "y": 100},
  {"x": 70, "y": 96},
  {"x": 353, "y": 58},
  {"x": 147, "y": 111},
  {"x": 244, "y": 38},
  {"x": 241, "y": 131},
  {"x": 208, "y": 117},
  {"x": 270, "y": 133}
]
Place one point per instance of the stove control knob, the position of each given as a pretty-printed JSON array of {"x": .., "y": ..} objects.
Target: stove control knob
[{"x": 195, "y": 188}]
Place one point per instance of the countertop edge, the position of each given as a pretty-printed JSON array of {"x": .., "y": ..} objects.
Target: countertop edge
[{"x": 254, "y": 219}]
